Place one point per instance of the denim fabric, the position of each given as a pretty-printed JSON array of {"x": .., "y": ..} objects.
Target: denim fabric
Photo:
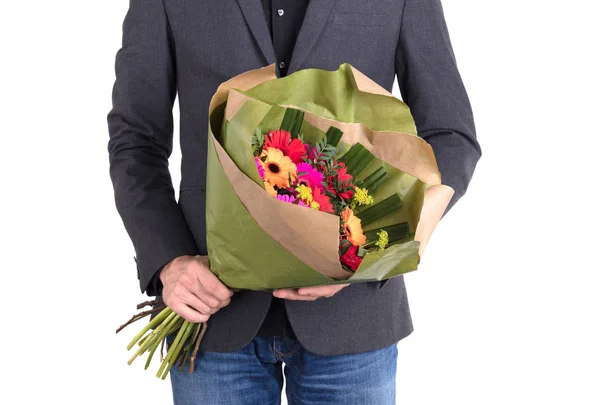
[{"x": 254, "y": 375}]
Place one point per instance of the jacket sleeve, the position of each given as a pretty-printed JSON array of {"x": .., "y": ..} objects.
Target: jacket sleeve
[
  {"x": 140, "y": 127},
  {"x": 431, "y": 86}
]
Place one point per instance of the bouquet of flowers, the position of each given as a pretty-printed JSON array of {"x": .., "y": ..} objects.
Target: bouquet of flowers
[
  {"x": 315, "y": 178},
  {"x": 310, "y": 176}
]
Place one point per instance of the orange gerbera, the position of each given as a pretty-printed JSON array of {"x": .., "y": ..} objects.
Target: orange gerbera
[
  {"x": 278, "y": 168},
  {"x": 270, "y": 189},
  {"x": 352, "y": 228}
]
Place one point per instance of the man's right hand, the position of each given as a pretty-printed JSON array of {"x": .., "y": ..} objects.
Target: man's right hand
[{"x": 192, "y": 290}]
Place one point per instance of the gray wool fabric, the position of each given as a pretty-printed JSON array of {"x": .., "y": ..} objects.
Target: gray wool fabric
[{"x": 188, "y": 48}]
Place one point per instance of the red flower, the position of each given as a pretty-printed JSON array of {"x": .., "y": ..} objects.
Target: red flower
[
  {"x": 323, "y": 201},
  {"x": 351, "y": 258},
  {"x": 343, "y": 179},
  {"x": 282, "y": 140}
]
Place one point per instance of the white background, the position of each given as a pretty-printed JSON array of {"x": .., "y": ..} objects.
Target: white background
[{"x": 505, "y": 304}]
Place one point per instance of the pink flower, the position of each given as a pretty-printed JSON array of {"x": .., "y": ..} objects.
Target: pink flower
[
  {"x": 261, "y": 169},
  {"x": 286, "y": 198},
  {"x": 310, "y": 177}
]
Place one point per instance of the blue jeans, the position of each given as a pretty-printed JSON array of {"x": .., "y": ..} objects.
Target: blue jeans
[{"x": 254, "y": 375}]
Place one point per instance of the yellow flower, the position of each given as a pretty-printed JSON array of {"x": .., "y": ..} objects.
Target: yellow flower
[
  {"x": 278, "y": 167},
  {"x": 383, "y": 239},
  {"x": 270, "y": 189},
  {"x": 315, "y": 205},
  {"x": 353, "y": 228},
  {"x": 362, "y": 197},
  {"x": 305, "y": 193}
]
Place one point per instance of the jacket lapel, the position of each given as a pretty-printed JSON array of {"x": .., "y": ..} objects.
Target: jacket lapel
[
  {"x": 317, "y": 15},
  {"x": 255, "y": 17}
]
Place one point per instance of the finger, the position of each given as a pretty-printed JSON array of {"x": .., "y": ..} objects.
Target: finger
[
  {"x": 192, "y": 282},
  {"x": 189, "y": 314},
  {"x": 211, "y": 284},
  {"x": 321, "y": 291},
  {"x": 209, "y": 299},
  {"x": 216, "y": 288},
  {"x": 187, "y": 297},
  {"x": 292, "y": 294}
]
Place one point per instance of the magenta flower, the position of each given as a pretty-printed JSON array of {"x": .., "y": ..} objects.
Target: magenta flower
[
  {"x": 286, "y": 198},
  {"x": 309, "y": 176},
  {"x": 261, "y": 169},
  {"x": 311, "y": 151}
]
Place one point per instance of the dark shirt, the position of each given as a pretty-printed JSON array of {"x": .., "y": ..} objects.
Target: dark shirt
[{"x": 284, "y": 18}]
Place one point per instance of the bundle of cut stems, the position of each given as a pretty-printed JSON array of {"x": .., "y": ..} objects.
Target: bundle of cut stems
[{"x": 182, "y": 349}]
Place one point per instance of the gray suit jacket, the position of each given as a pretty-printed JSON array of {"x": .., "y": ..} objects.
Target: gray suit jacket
[{"x": 189, "y": 47}]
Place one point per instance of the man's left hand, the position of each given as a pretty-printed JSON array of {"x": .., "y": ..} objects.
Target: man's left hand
[{"x": 309, "y": 293}]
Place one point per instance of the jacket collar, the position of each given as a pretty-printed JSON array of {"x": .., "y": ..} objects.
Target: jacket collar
[{"x": 317, "y": 14}]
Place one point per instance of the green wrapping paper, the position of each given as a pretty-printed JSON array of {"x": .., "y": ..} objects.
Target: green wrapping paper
[{"x": 257, "y": 242}]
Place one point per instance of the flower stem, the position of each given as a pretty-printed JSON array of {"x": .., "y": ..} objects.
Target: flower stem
[
  {"x": 174, "y": 349},
  {"x": 184, "y": 341},
  {"x": 198, "y": 340},
  {"x": 152, "y": 350},
  {"x": 139, "y": 316},
  {"x": 148, "y": 303},
  {"x": 165, "y": 329},
  {"x": 191, "y": 342},
  {"x": 160, "y": 339},
  {"x": 159, "y": 318},
  {"x": 171, "y": 319}
]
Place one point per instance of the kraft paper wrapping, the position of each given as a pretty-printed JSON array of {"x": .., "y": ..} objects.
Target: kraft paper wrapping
[{"x": 249, "y": 100}]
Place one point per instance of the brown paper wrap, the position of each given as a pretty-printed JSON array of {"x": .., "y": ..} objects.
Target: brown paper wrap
[{"x": 287, "y": 223}]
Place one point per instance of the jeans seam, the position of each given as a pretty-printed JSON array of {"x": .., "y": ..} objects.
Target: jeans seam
[{"x": 294, "y": 349}]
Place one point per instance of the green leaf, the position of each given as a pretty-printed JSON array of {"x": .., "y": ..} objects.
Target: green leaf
[
  {"x": 258, "y": 141},
  {"x": 356, "y": 159},
  {"x": 395, "y": 232},
  {"x": 333, "y": 136},
  {"x": 380, "y": 210},
  {"x": 292, "y": 121}
]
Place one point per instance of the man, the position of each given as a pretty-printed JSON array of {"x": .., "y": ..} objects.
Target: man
[{"x": 338, "y": 343}]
